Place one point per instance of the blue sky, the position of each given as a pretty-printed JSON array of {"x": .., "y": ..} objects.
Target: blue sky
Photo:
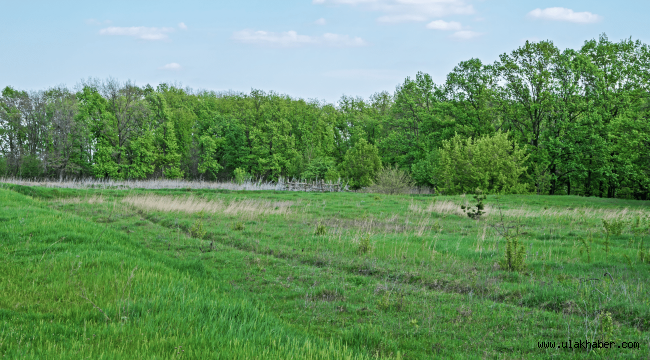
[{"x": 305, "y": 48}]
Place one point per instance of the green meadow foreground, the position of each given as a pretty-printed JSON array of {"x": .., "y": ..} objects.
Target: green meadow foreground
[{"x": 204, "y": 274}]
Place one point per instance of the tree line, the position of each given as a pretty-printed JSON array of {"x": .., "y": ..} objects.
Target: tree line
[{"x": 539, "y": 120}]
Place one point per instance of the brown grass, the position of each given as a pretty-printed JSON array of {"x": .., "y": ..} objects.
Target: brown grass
[
  {"x": 191, "y": 204},
  {"x": 448, "y": 207}
]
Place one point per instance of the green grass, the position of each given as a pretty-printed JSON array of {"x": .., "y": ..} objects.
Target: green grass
[{"x": 85, "y": 274}]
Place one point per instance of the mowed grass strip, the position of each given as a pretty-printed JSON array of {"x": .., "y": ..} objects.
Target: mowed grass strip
[{"x": 72, "y": 289}]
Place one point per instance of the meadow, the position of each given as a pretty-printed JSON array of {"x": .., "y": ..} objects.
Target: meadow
[{"x": 107, "y": 273}]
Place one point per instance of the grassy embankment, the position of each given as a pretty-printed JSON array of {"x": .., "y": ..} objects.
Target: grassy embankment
[{"x": 119, "y": 273}]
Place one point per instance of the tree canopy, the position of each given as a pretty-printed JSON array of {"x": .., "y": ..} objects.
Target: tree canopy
[{"x": 540, "y": 119}]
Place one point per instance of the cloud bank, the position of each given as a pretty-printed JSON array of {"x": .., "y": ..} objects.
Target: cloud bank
[
  {"x": 564, "y": 14},
  {"x": 171, "y": 66},
  {"x": 138, "y": 32},
  {"x": 397, "y": 11},
  {"x": 293, "y": 39},
  {"x": 444, "y": 25}
]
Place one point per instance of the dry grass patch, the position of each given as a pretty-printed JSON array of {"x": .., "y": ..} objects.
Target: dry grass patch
[
  {"x": 448, "y": 207},
  {"x": 192, "y": 204}
]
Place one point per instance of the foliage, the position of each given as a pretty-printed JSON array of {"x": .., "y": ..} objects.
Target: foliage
[
  {"x": 392, "y": 180},
  {"x": 321, "y": 168},
  {"x": 514, "y": 255},
  {"x": 477, "y": 211},
  {"x": 361, "y": 164},
  {"x": 241, "y": 176},
  {"x": 320, "y": 229},
  {"x": 197, "y": 229},
  {"x": 576, "y": 122},
  {"x": 364, "y": 244},
  {"x": 3, "y": 167},
  {"x": 492, "y": 163},
  {"x": 586, "y": 247}
]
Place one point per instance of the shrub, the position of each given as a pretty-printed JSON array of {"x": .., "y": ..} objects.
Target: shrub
[
  {"x": 514, "y": 256},
  {"x": 361, "y": 164},
  {"x": 238, "y": 226},
  {"x": 478, "y": 208},
  {"x": 364, "y": 244},
  {"x": 241, "y": 176},
  {"x": 3, "y": 167},
  {"x": 492, "y": 163},
  {"x": 392, "y": 180},
  {"x": 197, "y": 230},
  {"x": 320, "y": 229},
  {"x": 321, "y": 168},
  {"x": 31, "y": 167}
]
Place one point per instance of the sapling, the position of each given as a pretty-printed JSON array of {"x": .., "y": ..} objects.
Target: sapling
[{"x": 475, "y": 212}]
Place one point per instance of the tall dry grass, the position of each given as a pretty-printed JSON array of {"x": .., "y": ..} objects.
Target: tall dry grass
[
  {"x": 148, "y": 184},
  {"x": 155, "y": 184},
  {"x": 449, "y": 207},
  {"x": 192, "y": 204}
]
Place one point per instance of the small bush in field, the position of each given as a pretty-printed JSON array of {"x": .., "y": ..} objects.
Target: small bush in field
[
  {"x": 197, "y": 230},
  {"x": 238, "y": 226},
  {"x": 514, "y": 256},
  {"x": 320, "y": 229},
  {"x": 392, "y": 180},
  {"x": 364, "y": 244},
  {"x": 477, "y": 211}
]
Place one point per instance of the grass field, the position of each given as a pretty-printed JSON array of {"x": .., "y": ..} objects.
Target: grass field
[{"x": 103, "y": 274}]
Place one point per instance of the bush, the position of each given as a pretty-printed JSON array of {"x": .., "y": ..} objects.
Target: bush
[
  {"x": 31, "y": 168},
  {"x": 361, "y": 164},
  {"x": 514, "y": 256},
  {"x": 3, "y": 167},
  {"x": 491, "y": 163},
  {"x": 477, "y": 212},
  {"x": 364, "y": 244},
  {"x": 392, "y": 180},
  {"x": 241, "y": 176},
  {"x": 321, "y": 168},
  {"x": 320, "y": 229}
]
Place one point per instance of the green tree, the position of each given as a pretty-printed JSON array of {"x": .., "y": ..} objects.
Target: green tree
[
  {"x": 361, "y": 164},
  {"x": 493, "y": 164}
]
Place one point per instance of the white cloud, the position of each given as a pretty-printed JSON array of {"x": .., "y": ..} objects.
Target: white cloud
[
  {"x": 394, "y": 19},
  {"x": 564, "y": 14},
  {"x": 171, "y": 66},
  {"x": 320, "y": 21},
  {"x": 407, "y": 10},
  {"x": 293, "y": 39},
  {"x": 465, "y": 35},
  {"x": 182, "y": 26},
  {"x": 140, "y": 32},
  {"x": 444, "y": 25}
]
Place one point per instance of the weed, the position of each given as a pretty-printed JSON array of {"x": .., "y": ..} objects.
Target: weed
[
  {"x": 644, "y": 255},
  {"x": 606, "y": 327},
  {"x": 614, "y": 227},
  {"x": 364, "y": 244},
  {"x": 238, "y": 226},
  {"x": 585, "y": 248},
  {"x": 514, "y": 256},
  {"x": 197, "y": 230},
  {"x": 320, "y": 229},
  {"x": 384, "y": 301}
]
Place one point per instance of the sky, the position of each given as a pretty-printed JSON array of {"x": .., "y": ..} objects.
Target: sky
[{"x": 310, "y": 49}]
